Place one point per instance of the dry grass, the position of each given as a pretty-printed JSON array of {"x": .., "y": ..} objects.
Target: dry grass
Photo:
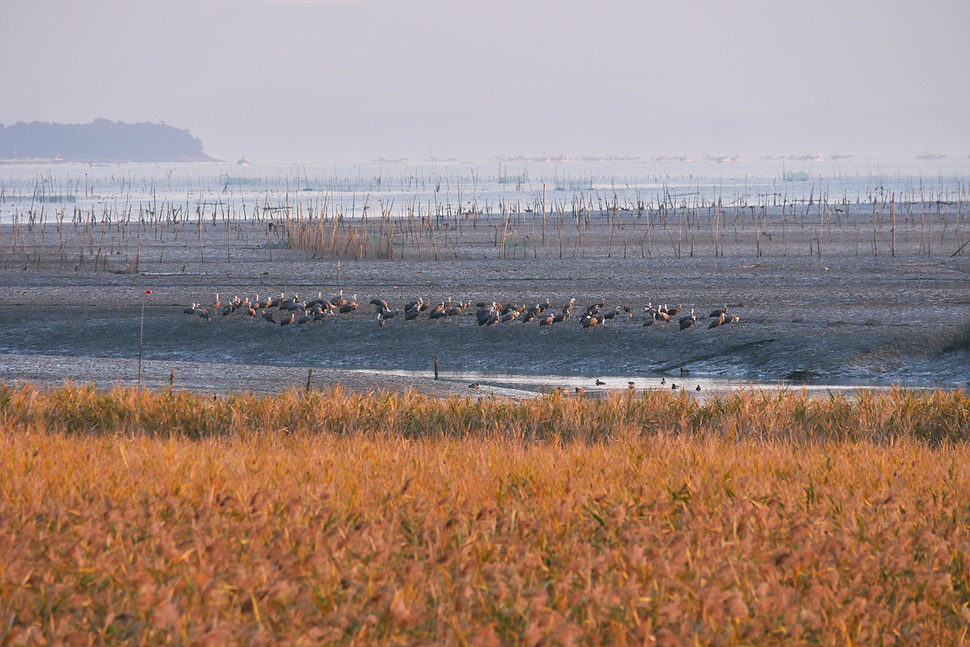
[
  {"x": 138, "y": 517},
  {"x": 934, "y": 416}
]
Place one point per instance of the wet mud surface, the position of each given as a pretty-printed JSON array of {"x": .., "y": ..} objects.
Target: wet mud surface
[{"x": 842, "y": 318}]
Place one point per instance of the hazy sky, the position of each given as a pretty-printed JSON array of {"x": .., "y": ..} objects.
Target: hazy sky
[{"x": 278, "y": 80}]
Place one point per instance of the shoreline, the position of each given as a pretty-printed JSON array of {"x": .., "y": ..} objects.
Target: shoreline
[{"x": 215, "y": 378}]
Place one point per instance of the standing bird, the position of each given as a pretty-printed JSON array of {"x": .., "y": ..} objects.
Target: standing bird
[
  {"x": 531, "y": 313},
  {"x": 384, "y": 315},
  {"x": 688, "y": 321},
  {"x": 287, "y": 319},
  {"x": 268, "y": 316},
  {"x": 348, "y": 306},
  {"x": 293, "y": 303},
  {"x": 487, "y": 315},
  {"x": 649, "y": 317},
  {"x": 438, "y": 312},
  {"x": 314, "y": 302},
  {"x": 511, "y": 315},
  {"x": 216, "y": 304},
  {"x": 202, "y": 312},
  {"x": 596, "y": 307},
  {"x": 559, "y": 318},
  {"x": 189, "y": 310},
  {"x": 717, "y": 322},
  {"x": 718, "y": 312},
  {"x": 490, "y": 319},
  {"x": 485, "y": 311},
  {"x": 380, "y": 304},
  {"x": 609, "y": 316}
]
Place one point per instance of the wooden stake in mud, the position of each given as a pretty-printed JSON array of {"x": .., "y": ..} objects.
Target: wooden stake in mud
[
  {"x": 543, "y": 215},
  {"x": 141, "y": 338},
  {"x": 171, "y": 381},
  {"x": 892, "y": 211},
  {"x": 309, "y": 376},
  {"x": 436, "y": 367}
]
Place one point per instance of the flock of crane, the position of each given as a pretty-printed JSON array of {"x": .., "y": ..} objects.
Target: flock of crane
[{"x": 285, "y": 310}]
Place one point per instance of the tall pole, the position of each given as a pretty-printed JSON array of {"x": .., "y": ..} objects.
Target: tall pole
[{"x": 141, "y": 337}]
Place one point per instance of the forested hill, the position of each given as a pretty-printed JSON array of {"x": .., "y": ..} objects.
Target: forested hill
[{"x": 100, "y": 141}]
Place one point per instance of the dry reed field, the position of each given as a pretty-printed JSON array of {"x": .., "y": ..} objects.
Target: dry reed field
[{"x": 139, "y": 517}]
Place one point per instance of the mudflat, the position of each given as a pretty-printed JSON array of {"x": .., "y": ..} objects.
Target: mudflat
[{"x": 848, "y": 299}]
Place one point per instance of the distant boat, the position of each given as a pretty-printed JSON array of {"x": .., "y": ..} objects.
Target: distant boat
[
  {"x": 242, "y": 161},
  {"x": 610, "y": 158},
  {"x": 930, "y": 156},
  {"x": 724, "y": 159}
]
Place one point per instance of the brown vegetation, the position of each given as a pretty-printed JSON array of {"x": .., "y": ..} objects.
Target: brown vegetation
[{"x": 132, "y": 517}]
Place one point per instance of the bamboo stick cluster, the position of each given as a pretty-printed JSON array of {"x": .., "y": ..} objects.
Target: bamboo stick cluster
[{"x": 426, "y": 220}]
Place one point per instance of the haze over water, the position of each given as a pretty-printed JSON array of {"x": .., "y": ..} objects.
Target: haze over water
[
  {"x": 301, "y": 81},
  {"x": 369, "y": 188}
]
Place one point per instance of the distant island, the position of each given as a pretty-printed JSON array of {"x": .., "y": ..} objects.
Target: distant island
[{"x": 100, "y": 141}]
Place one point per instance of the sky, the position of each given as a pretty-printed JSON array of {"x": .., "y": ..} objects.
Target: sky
[{"x": 280, "y": 80}]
